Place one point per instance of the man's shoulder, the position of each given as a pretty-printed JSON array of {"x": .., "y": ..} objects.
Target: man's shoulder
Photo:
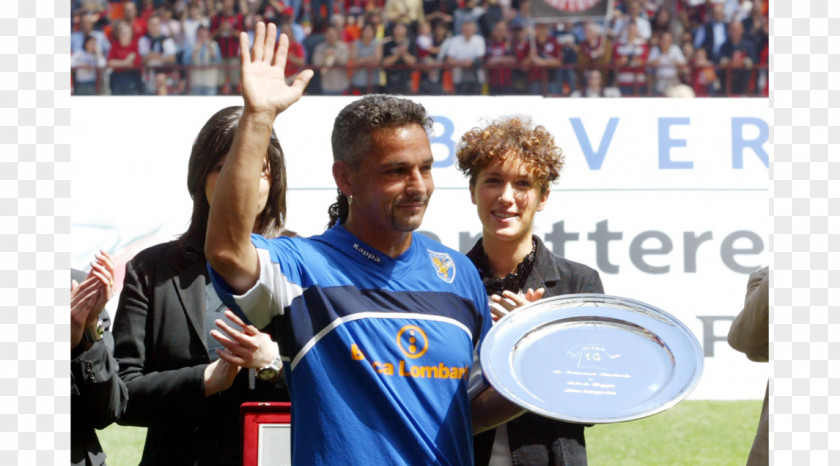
[{"x": 436, "y": 249}]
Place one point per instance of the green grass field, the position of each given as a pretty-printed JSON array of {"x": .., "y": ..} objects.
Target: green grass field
[{"x": 716, "y": 433}]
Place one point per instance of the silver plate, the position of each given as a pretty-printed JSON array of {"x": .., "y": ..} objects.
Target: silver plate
[{"x": 592, "y": 358}]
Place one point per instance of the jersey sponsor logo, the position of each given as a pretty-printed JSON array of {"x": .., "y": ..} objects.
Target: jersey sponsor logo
[
  {"x": 413, "y": 343},
  {"x": 443, "y": 264},
  {"x": 364, "y": 252}
]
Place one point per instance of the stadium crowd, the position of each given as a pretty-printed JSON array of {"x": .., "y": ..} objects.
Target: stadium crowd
[{"x": 426, "y": 47}]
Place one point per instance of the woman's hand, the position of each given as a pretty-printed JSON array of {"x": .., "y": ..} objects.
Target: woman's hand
[
  {"x": 219, "y": 376},
  {"x": 88, "y": 298},
  {"x": 501, "y": 306}
]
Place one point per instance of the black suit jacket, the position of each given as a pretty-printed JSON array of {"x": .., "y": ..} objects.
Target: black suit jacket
[
  {"x": 97, "y": 396},
  {"x": 160, "y": 344},
  {"x": 563, "y": 441}
]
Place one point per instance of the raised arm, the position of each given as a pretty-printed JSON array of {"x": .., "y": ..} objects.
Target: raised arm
[{"x": 234, "y": 206}]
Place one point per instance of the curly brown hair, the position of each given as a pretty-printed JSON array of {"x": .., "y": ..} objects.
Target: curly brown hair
[{"x": 511, "y": 137}]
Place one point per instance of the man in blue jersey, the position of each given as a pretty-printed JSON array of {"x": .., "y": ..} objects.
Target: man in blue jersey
[{"x": 378, "y": 327}]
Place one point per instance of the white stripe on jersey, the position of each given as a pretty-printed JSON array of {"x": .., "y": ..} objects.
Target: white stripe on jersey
[
  {"x": 270, "y": 295},
  {"x": 373, "y": 315}
]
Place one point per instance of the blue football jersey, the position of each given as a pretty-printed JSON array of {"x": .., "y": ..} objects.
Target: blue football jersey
[{"x": 378, "y": 351}]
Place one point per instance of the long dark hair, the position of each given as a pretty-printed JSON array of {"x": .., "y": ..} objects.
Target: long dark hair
[
  {"x": 214, "y": 142},
  {"x": 352, "y": 135}
]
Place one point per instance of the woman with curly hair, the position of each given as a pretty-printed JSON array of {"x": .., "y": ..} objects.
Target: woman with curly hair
[{"x": 510, "y": 164}]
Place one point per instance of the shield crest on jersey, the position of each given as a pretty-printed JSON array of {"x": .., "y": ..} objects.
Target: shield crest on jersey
[{"x": 444, "y": 267}]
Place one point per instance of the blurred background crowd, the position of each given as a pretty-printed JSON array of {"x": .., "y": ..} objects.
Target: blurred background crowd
[{"x": 426, "y": 47}]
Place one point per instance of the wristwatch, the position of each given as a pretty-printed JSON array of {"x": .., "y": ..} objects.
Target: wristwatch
[
  {"x": 270, "y": 371},
  {"x": 94, "y": 333}
]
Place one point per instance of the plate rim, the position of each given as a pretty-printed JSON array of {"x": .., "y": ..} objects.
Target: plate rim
[{"x": 582, "y": 299}]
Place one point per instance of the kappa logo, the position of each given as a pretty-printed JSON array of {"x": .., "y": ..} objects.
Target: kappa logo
[{"x": 443, "y": 264}]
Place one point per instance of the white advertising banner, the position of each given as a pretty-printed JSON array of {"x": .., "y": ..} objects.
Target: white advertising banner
[{"x": 667, "y": 198}]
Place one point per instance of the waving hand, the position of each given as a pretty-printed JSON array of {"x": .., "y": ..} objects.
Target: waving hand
[{"x": 264, "y": 86}]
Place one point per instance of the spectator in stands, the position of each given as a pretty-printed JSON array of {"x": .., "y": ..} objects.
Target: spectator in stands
[
  {"x": 737, "y": 56},
  {"x": 664, "y": 21},
  {"x": 138, "y": 25},
  {"x": 736, "y": 10},
  {"x": 225, "y": 28},
  {"x": 466, "y": 52},
  {"x": 522, "y": 14},
  {"x": 492, "y": 15},
  {"x": 98, "y": 396},
  {"x": 86, "y": 64},
  {"x": 408, "y": 12},
  {"x": 171, "y": 27},
  {"x": 185, "y": 378},
  {"x": 500, "y": 53},
  {"x": 86, "y": 29},
  {"x": 635, "y": 14},
  {"x": 595, "y": 51},
  {"x": 631, "y": 58},
  {"x": 704, "y": 79},
  {"x": 296, "y": 55},
  {"x": 666, "y": 59},
  {"x": 287, "y": 15},
  {"x": 294, "y": 12},
  {"x": 146, "y": 9},
  {"x": 250, "y": 20},
  {"x": 191, "y": 21},
  {"x": 124, "y": 60},
  {"x": 332, "y": 56},
  {"x": 156, "y": 50},
  {"x": 470, "y": 10},
  {"x": 366, "y": 56},
  {"x": 756, "y": 26},
  {"x": 567, "y": 77},
  {"x": 520, "y": 42},
  {"x": 427, "y": 55},
  {"x": 594, "y": 86},
  {"x": 439, "y": 11},
  {"x": 399, "y": 53},
  {"x": 352, "y": 29},
  {"x": 543, "y": 61},
  {"x": 315, "y": 38},
  {"x": 712, "y": 34},
  {"x": 322, "y": 8},
  {"x": 204, "y": 53}
]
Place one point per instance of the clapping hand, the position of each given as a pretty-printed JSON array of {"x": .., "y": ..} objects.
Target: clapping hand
[
  {"x": 88, "y": 298},
  {"x": 501, "y": 306}
]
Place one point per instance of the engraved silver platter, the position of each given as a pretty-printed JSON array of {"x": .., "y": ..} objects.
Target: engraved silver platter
[{"x": 592, "y": 358}]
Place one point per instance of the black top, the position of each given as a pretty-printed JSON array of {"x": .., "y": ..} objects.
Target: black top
[{"x": 534, "y": 439}]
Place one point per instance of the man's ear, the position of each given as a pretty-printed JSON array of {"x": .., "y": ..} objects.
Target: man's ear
[
  {"x": 341, "y": 174},
  {"x": 544, "y": 199},
  {"x": 472, "y": 193}
]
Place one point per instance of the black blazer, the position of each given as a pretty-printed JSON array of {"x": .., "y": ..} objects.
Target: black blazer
[
  {"x": 563, "y": 442},
  {"x": 160, "y": 345},
  {"x": 97, "y": 396}
]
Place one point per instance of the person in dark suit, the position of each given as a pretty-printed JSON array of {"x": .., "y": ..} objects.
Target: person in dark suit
[
  {"x": 749, "y": 334},
  {"x": 510, "y": 164},
  {"x": 186, "y": 381},
  {"x": 97, "y": 395}
]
